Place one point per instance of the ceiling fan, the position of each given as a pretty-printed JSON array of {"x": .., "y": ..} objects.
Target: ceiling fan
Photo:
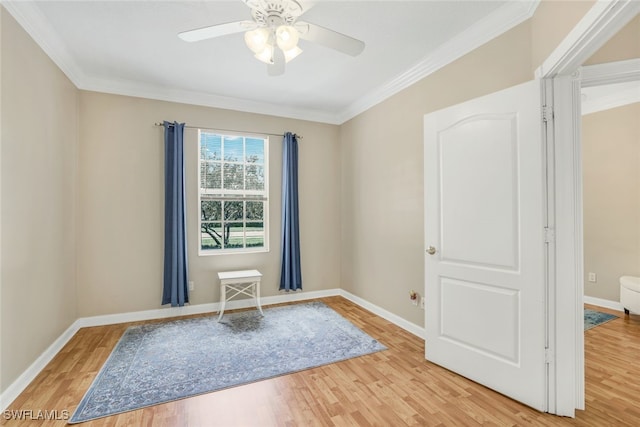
[{"x": 274, "y": 33}]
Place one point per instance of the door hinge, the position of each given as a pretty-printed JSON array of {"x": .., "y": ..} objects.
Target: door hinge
[
  {"x": 549, "y": 235},
  {"x": 547, "y": 113},
  {"x": 549, "y": 357}
]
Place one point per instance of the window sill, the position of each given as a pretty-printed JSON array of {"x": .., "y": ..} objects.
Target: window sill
[{"x": 214, "y": 252}]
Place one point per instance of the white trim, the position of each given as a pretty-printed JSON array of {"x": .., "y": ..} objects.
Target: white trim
[
  {"x": 601, "y": 22},
  {"x": 569, "y": 337},
  {"x": 605, "y": 303},
  {"x": 30, "y": 17},
  {"x": 598, "y": 25},
  {"x": 548, "y": 142},
  {"x": 387, "y": 315},
  {"x": 141, "y": 90},
  {"x": 619, "y": 95},
  {"x": 220, "y": 194},
  {"x": 624, "y": 75},
  {"x": 483, "y": 31},
  {"x": 163, "y": 313},
  {"x": 21, "y": 383},
  {"x": 610, "y": 72},
  {"x": 1, "y": 398},
  {"x": 18, "y": 386}
]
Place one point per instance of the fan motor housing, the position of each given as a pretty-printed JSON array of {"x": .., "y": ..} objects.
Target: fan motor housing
[{"x": 269, "y": 13}]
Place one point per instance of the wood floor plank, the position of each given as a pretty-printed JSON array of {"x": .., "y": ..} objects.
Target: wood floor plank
[{"x": 396, "y": 387}]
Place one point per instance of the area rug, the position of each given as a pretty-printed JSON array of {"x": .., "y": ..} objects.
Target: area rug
[
  {"x": 594, "y": 318},
  {"x": 162, "y": 362}
]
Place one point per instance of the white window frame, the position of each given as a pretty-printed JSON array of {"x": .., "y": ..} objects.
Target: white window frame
[{"x": 234, "y": 195}]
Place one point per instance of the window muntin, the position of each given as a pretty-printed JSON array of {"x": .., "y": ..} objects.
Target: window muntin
[{"x": 233, "y": 193}]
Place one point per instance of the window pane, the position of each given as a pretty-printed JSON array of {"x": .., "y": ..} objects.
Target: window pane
[
  {"x": 210, "y": 175},
  {"x": 255, "y": 177},
  {"x": 233, "y": 176},
  {"x": 255, "y": 211},
  {"x": 211, "y": 235},
  {"x": 234, "y": 235},
  {"x": 255, "y": 234},
  {"x": 233, "y": 211},
  {"x": 210, "y": 146},
  {"x": 255, "y": 150},
  {"x": 233, "y": 149},
  {"x": 233, "y": 171},
  {"x": 211, "y": 210}
]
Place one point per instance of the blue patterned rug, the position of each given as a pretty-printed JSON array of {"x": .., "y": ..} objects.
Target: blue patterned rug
[
  {"x": 162, "y": 362},
  {"x": 594, "y": 318}
]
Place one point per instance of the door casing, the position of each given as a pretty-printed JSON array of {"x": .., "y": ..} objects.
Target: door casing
[{"x": 562, "y": 78}]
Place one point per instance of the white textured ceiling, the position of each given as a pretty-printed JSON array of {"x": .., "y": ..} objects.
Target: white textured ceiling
[{"x": 132, "y": 48}]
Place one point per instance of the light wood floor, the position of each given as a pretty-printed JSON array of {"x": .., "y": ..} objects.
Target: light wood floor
[{"x": 396, "y": 387}]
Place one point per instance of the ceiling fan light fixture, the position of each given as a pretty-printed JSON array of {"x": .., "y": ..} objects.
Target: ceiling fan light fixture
[
  {"x": 287, "y": 37},
  {"x": 257, "y": 39},
  {"x": 266, "y": 55},
  {"x": 292, "y": 53},
  {"x": 274, "y": 32}
]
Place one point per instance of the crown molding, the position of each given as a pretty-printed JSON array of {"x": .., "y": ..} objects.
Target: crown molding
[
  {"x": 30, "y": 17},
  {"x": 165, "y": 93},
  {"x": 500, "y": 21},
  {"x": 33, "y": 21}
]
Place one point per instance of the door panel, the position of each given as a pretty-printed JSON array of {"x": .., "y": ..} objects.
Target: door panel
[
  {"x": 468, "y": 299},
  {"x": 485, "y": 283},
  {"x": 472, "y": 195}
]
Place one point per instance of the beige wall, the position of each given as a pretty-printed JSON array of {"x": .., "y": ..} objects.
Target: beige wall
[
  {"x": 120, "y": 223},
  {"x": 624, "y": 45},
  {"x": 39, "y": 145},
  {"x": 611, "y": 171},
  {"x": 551, "y": 23},
  {"x": 382, "y": 158}
]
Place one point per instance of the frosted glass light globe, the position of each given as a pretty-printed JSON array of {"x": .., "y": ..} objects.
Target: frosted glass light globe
[
  {"x": 286, "y": 37},
  {"x": 257, "y": 39}
]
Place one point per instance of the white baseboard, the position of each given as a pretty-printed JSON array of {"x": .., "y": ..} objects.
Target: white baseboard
[
  {"x": 605, "y": 303},
  {"x": 21, "y": 383},
  {"x": 396, "y": 320},
  {"x": 163, "y": 313},
  {"x": 18, "y": 386}
]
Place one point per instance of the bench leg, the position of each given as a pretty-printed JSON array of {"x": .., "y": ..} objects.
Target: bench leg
[
  {"x": 256, "y": 289},
  {"x": 626, "y": 311},
  {"x": 223, "y": 300}
]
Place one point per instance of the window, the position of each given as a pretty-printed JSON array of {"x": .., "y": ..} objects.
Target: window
[{"x": 233, "y": 193}]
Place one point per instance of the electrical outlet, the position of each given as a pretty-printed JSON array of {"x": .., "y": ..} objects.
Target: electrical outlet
[
  {"x": 593, "y": 277},
  {"x": 422, "y": 303},
  {"x": 192, "y": 286},
  {"x": 414, "y": 301}
]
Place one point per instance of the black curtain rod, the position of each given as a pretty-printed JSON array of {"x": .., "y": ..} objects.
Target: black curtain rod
[{"x": 230, "y": 130}]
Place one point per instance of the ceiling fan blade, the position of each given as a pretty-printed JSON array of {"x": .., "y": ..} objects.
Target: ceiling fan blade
[
  {"x": 216, "y": 31},
  {"x": 330, "y": 38},
  {"x": 277, "y": 68}
]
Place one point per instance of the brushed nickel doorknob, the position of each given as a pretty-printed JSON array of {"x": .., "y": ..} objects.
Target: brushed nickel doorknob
[{"x": 431, "y": 250}]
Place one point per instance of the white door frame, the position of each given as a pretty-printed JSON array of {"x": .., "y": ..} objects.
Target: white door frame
[{"x": 561, "y": 72}]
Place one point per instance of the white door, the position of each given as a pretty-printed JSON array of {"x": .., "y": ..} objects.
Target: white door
[{"x": 484, "y": 239}]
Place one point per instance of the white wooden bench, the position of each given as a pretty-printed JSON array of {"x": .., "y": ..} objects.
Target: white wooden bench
[{"x": 244, "y": 282}]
